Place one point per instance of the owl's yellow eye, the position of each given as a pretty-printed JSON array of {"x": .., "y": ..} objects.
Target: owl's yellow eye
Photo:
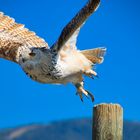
[{"x": 32, "y": 54}]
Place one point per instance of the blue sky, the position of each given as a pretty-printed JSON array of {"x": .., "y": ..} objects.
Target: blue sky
[{"x": 115, "y": 25}]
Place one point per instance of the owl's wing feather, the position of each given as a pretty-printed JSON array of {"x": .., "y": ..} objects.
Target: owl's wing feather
[
  {"x": 73, "y": 39},
  {"x": 14, "y": 35},
  {"x": 75, "y": 24}
]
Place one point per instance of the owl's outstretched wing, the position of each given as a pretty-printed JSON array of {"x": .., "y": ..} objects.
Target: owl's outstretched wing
[
  {"x": 13, "y": 36},
  {"x": 71, "y": 30}
]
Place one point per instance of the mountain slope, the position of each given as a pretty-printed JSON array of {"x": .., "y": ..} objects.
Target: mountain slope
[{"x": 65, "y": 130}]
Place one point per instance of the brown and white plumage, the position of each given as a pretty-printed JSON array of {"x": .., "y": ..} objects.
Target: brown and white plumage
[{"x": 62, "y": 62}]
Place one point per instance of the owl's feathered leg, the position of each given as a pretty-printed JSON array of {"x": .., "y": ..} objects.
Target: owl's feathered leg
[{"x": 81, "y": 91}]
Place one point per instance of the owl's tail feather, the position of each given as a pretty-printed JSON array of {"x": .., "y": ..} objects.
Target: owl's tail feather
[{"x": 96, "y": 56}]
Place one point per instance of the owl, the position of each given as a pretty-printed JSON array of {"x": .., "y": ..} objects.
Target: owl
[{"x": 60, "y": 63}]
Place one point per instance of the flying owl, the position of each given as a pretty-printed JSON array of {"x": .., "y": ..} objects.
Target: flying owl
[{"x": 59, "y": 64}]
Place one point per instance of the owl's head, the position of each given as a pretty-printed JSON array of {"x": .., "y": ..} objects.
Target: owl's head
[
  {"x": 39, "y": 53},
  {"x": 35, "y": 54}
]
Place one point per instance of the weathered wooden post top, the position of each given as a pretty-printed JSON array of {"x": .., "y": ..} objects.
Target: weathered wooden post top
[{"x": 107, "y": 122}]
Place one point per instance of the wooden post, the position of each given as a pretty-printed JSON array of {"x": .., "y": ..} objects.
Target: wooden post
[{"x": 107, "y": 122}]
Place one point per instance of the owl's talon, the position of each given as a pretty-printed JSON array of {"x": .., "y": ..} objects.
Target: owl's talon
[
  {"x": 82, "y": 99},
  {"x": 92, "y": 77},
  {"x": 80, "y": 95},
  {"x": 91, "y": 96},
  {"x": 91, "y": 73},
  {"x": 81, "y": 91},
  {"x": 87, "y": 94}
]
